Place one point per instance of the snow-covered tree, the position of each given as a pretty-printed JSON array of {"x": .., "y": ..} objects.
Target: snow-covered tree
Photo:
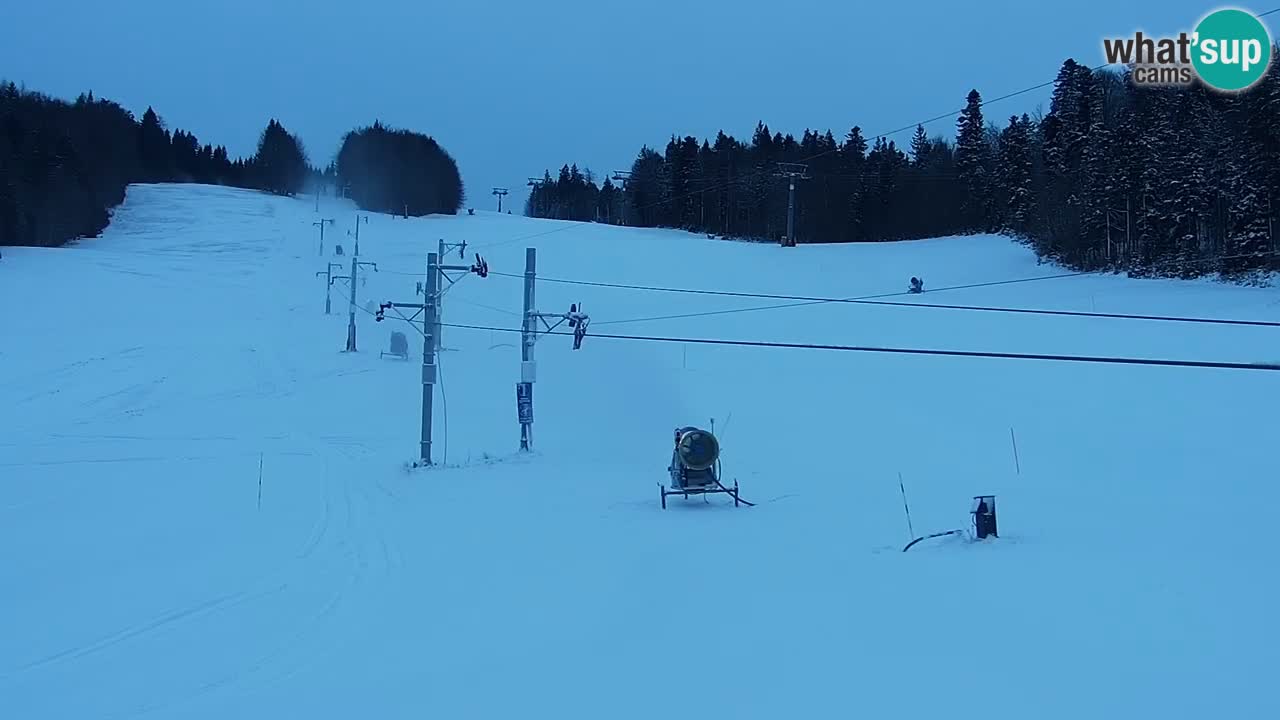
[
  {"x": 972, "y": 163},
  {"x": 1014, "y": 175}
]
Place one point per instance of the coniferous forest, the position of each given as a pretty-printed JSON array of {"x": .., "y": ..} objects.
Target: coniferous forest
[
  {"x": 65, "y": 165},
  {"x": 1154, "y": 181}
]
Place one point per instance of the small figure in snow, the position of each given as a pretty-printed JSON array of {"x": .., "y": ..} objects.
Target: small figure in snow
[{"x": 917, "y": 286}]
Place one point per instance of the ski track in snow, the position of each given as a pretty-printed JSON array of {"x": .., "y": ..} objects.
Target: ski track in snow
[{"x": 142, "y": 579}]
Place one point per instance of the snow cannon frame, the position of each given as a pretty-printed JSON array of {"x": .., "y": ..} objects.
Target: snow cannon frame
[{"x": 695, "y": 466}]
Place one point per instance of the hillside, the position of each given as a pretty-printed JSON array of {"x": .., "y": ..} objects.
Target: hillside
[{"x": 148, "y": 373}]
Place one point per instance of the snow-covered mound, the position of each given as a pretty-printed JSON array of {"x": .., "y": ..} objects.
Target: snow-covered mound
[{"x": 148, "y": 568}]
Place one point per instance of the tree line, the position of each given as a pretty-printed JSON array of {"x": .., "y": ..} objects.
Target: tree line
[
  {"x": 1153, "y": 180},
  {"x": 398, "y": 171},
  {"x": 65, "y": 165}
]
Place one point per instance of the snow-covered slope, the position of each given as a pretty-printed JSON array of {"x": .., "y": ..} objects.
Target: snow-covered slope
[{"x": 145, "y": 375}]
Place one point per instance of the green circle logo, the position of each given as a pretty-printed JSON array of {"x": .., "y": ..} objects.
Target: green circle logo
[{"x": 1232, "y": 49}]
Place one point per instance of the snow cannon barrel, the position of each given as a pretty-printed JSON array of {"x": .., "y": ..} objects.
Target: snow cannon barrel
[{"x": 697, "y": 448}]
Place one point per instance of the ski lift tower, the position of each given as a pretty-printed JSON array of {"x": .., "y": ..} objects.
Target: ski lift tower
[
  {"x": 624, "y": 179},
  {"x": 536, "y": 183},
  {"x": 427, "y": 311},
  {"x": 576, "y": 318},
  {"x": 793, "y": 172}
]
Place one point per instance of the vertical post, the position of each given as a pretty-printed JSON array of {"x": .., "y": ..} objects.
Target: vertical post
[
  {"x": 1108, "y": 233},
  {"x": 328, "y": 286},
  {"x": 1017, "y": 465},
  {"x": 429, "y": 325},
  {"x": 351, "y": 309},
  {"x": 356, "y": 234},
  {"x": 791, "y": 212},
  {"x": 527, "y": 337},
  {"x": 1128, "y": 223},
  {"x": 905, "y": 506},
  {"x": 322, "y": 222},
  {"x": 439, "y": 311}
]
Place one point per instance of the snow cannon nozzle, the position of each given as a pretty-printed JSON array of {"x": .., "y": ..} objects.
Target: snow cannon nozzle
[{"x": 697, "y": 448}]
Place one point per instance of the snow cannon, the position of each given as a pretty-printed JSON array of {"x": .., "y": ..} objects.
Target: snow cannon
[
  {"x": 984, "y": 522},
  {"x": 697, "y": 452},
  {"x": 695, "y": 466}
]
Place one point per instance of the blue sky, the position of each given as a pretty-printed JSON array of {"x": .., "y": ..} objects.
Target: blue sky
[{"x": 513, "y": 87}]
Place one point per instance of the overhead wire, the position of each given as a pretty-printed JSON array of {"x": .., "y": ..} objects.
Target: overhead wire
[
  {"x": 801, "y": 301},
  {"x": 1096, "y": 359},
  {"x": 1104, "y": 359},
  {"x": 880, "y": 299}
]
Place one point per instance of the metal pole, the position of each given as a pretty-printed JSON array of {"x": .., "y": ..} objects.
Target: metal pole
[
  {"x": 322, "y": 222},
  {"x": 328, "y": 282},
  {"x": 439, "y": 257},
  {"x": 791, "y": 212},
  {"x": 351, "y": 310},
  {"x": 527, "y": 336},
  {"x": 429, "y": 324},
  {"x": 328, "y": 271}
]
